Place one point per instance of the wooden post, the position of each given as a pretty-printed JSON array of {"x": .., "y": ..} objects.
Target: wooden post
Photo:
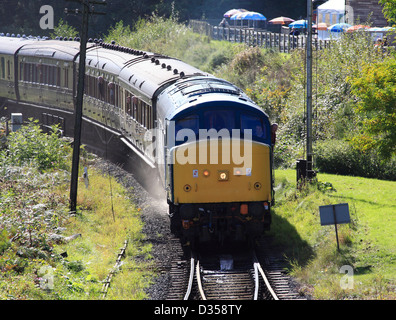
[
  {"x": 79, "y": 100},
  {"x": 336, "y": 231}
]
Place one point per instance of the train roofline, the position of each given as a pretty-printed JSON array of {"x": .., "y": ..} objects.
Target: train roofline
[{"x": 217, "y": 99}]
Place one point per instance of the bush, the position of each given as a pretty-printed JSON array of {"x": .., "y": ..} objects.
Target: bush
[
  {"x": 340, "y": 157},
  {"x": 30, "y": 146}
]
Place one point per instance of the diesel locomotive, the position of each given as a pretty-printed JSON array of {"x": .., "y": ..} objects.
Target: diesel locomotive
[{"x": 208, "y": 141}]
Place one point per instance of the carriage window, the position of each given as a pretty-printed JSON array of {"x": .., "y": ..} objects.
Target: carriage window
[
  {"x": 8, "y": 69},
  {"x": 111, "y": 93},
  {"x": 255, "y": 123},
  {"x": 58, "y": 76},
  {"x": 2, "y": 67},
  {"x": 21, "y": 71},
  {"x": 128, "y": 102},
  {"x": 219, "y": 119},
  {"x": 66, "y": 78},
  {"x": 26, "y": 72}
]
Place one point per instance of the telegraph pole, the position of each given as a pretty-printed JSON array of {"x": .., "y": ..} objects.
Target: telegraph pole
[{"x": 88, "y": 9}]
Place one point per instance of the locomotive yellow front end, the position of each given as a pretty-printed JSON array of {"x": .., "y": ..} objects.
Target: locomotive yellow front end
[
  {"x": 218, "y": 162},
  {"x": 221, "y": 188}
]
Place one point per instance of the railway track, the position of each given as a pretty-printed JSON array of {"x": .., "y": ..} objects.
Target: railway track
[{"x": 255, "y": 274}]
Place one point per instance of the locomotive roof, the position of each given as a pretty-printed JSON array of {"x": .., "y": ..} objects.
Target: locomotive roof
[{"x": 187, "y": 93}]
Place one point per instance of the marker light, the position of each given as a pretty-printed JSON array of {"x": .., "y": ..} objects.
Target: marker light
[
  {"x": 244, "y": 209},
  {"x": 206, "y": 173}
]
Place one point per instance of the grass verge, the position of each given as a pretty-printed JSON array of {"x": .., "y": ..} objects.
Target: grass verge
[
  {"x": 46, "y": 254},
  {"x": 367, "y": 245}
]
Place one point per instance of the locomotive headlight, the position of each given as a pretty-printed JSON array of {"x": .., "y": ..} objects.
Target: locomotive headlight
[{"x": 222, "y": 175}]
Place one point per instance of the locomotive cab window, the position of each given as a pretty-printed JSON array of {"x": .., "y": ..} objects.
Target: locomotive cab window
[
  {"x": 254, "y": 123},
  {"x": 190, "y": 122},
  {"x": 219, "y": 119}
]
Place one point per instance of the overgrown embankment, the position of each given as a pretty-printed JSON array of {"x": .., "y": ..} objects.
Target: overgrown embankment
[{"x": 47, "y": 253}]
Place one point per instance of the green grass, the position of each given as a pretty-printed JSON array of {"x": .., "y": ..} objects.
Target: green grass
[
  {"x": 367, "y": 244},
  {"x": 107, "y": 219}
]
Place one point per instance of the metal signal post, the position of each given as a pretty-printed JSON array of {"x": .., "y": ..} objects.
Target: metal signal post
[
  {"x": 87, "y": 10},
  {"x": 311, "y": 4},
  {"x": 309, "y": 91}
]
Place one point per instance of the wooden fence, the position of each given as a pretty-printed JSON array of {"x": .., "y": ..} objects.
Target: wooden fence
[{"x": 253, "y": 37}]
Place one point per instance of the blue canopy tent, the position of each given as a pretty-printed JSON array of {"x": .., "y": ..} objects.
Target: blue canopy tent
[
  {"x": 339, "y": 27},
  {"x": 249, "y": 16},
  {"x": 236, "y": 17},
  {"x": 298, "y": 24}
]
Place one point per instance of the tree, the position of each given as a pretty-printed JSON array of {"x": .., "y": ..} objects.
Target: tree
[
  {"x": 375, "y": 89},
  {"x": 64, "y": 30},
  {"x": 389, "y": 10}
]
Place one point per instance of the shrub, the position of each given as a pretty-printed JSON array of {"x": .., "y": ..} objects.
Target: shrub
[
  {"x": 30, "y": 145},
  {"x": 340, "y": 157}
]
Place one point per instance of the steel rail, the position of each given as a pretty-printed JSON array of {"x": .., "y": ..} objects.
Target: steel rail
[
  {"x": 199, "y": 282},
  {"x": 256, "y": 281},
  {"x": 191, "y": 278},
  {"x": 267, "y": 283}
]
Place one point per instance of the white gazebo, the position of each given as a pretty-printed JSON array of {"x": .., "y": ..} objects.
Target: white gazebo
[{"x": 331, "y": 12}]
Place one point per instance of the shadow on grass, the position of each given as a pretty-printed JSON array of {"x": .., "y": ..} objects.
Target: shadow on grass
[{"x": 294, "y": 248}]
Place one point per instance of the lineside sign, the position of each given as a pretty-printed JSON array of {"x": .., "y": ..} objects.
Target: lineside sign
[{"x": 334, "y": 214}]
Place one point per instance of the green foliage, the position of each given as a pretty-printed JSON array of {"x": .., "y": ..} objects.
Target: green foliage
[
  {"x": 35, "y": 222},
  {"x": 341, "y": 157},
  {"x": 63, "y": 29},
  {"x": 168, "y": 37},
  {"x": 389, "y": 9},
  {"x": 149, "y": 35},
  {"x": 375, "y": 87},
  {"x": 30, "y": 146},
  {"x": 26, "y": 15},
  {"x": 341, "y": 73},
  {"x": 4, "y": 241}
]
